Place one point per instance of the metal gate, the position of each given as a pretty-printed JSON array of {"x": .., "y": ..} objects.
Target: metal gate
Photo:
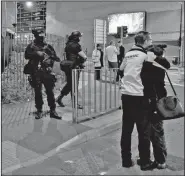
[{"x": 96, "y": 96}]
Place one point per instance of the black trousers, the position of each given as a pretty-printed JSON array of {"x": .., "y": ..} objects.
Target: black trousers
[
  {"x": 119, "y": 74},
  {"x": 97, "y": 73},
  {"x": 68, "y": 86},
  {"x": 48, "y": 81},
  {"x": 158, "y": 139},
  {"x": 135, "y": 112}
]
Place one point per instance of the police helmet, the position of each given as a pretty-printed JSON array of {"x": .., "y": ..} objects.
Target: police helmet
[
  {"x": 76, "y": 34},
  {"x": 36, "y": 32}
]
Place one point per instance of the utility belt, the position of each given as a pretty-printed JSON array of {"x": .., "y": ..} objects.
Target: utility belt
[{"x": 41, "y": 74}]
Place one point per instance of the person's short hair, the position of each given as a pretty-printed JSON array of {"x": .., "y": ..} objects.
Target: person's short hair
[
  {"x": 119, "y": 41},
  {"x": 97, "y": 45},
  {"x": 141, "y": 37}
]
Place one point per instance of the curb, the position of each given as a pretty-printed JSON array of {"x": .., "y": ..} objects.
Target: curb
[{"x": 82, "y": 138}]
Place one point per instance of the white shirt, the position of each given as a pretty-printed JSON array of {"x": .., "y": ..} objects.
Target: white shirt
[
  {"x": 131, "y": 83},
  {"x": 111, "y": 53},
  {"x": 96, "y": 58}
]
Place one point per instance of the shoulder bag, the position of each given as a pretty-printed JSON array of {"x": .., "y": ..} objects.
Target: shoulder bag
[{"x": 169, "y": 107}]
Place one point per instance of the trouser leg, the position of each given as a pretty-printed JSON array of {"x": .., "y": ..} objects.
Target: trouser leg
[
  {"x": 97, "y": 73},
  {"x": 37, "y": 85},
  {"x": 68, "y": 86},
  {"x": 127, "y": 128},
  {"x": 49, "y": 86},
  {"x": 140, "y": 115},
  {"x": 143, "y": 128},
  {"x": 158, "y": 141}
]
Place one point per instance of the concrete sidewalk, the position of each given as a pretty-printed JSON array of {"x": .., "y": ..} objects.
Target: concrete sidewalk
[
  {"x": 26, "y": 141},
  {"x": 101, "y": 155}
]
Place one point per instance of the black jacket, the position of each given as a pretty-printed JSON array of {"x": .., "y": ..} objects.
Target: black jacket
[
  {"x": 153, "y": 78},
  {"x": 101, "y": 58},
  {"x": 121, "y": 55},
  {"x": 34, "y": 58},
  {"x": 72, "y": 49}
]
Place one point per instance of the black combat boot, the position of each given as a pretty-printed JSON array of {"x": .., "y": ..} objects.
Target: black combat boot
[
  {"x": 38, "y": 114},
  {"x": 59, "y": 100},
  {"x": 53, "y": 114}
]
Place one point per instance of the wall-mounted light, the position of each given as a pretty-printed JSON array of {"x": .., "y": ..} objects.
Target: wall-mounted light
[{"x": 29, "y": 4}]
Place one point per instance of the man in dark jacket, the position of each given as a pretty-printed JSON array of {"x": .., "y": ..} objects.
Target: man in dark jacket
[
  {"x": 101, "y": 57},
  {"x": 154, "y": 88},
  {"x": 75, "y": 54},
  {"x": 41, "y": 57},
  {"x": 120, "y": 57}
]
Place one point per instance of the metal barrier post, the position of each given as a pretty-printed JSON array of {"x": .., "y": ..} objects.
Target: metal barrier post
[
  {"x": 83, "y": 92},
  {"x": 110, "y": 94},
  {"x": 89, "y": 92},
  {"x": 101, "y": 90},
  {"x": 115, "y": 96},
  {"x": 95, "y": 89},
  {"x": 74, "y": 95},
  {"x": 105, "y": 90}
]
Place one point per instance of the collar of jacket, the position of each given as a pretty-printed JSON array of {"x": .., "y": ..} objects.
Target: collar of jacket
[
  {"x": 139, "y": 46},
  {"x": 37, "y": 43}
]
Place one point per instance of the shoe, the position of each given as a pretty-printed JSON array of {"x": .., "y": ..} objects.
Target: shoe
[
  {"x": 161, "y": 166},
  {"x": 59, "y": 101},
  {"x": 149, "y": 166},
  {"x": 139, "y": 162},
  {"x": 128, "y": 164},
  {"x": 53, "y": 114},
  {"x": 38, "y": 114}
]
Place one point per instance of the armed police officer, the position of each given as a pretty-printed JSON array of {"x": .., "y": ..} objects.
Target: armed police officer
[
  {"x": 41, "y": 58},
  {"x": 76, "y": 57}
]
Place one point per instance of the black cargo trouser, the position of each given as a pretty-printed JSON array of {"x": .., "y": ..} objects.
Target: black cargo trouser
[
  {"x": 48, "y": 81},
  {"x": 97, "y": 73},
  {"x": 158, "y": 139},
  {"x": 135, "y": 111},
  {"x": 68, "y": 86}
]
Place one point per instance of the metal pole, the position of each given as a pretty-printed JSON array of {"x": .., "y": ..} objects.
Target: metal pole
[
  {"x": 121, "y": 34},
  {"x": 95, "y": 90},
  {"x": 104, "y": 42},
  {"x": 83, "y": 93},
  {"x": 180, "y": 34}
]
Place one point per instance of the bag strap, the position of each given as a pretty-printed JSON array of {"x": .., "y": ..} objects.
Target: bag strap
[
  {"x": 171, "y": 83},
  {"x": 158, "y": 65}
]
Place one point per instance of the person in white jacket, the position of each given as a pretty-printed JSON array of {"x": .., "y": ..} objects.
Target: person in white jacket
[{"x": 96, "y": 55}]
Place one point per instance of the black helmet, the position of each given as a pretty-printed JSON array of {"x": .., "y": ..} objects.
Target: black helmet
[
  {"x": 36, "y": 32},
  {"x": 76, "y": 34}
]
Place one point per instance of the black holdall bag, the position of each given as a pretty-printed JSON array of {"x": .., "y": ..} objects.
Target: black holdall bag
[
  {"x": 169, "y": 107},
  {"x": 66, "y": 65},
  {"x": 28, "y": 69}
]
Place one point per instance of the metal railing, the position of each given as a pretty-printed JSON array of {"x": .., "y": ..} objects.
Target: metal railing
[
  {"x": 14, "y": 82},
  {"x": 95, "y": 96}
]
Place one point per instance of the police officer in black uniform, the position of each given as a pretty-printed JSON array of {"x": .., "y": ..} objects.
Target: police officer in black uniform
[
  {"x": 41, "y": 57},
  {"x": 75, "y": 54}
]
